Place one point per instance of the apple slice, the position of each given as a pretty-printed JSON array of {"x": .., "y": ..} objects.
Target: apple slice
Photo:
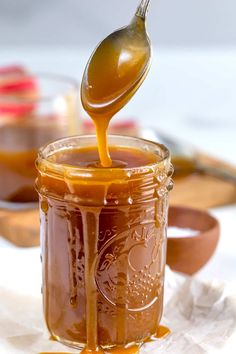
[
  {"x": 19, "y": 85},
  {"x": 12, "y": 69},
  {"x": 16, "y": 87}
]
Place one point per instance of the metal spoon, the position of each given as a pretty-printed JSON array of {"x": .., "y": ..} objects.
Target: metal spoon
[
  {"x": 185, "y": 159},
  {"x": 117, "y": 67}
]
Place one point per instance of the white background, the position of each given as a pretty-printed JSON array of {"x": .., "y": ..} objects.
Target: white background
[{"x": 85, "y": 22}]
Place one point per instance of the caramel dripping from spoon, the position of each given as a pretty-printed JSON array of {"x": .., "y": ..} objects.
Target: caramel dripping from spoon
[{"x": 114, "y": 73}]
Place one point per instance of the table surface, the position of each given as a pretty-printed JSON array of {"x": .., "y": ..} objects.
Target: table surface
[{"x": 189, "y": 94}]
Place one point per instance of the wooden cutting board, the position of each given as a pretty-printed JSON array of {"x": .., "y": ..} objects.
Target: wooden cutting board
[
  {"x": 22, "y": 227},
  {"x": 203, "y": 192}
]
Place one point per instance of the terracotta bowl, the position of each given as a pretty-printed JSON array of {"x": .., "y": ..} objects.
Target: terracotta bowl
[{"x": 188, "y": 254}]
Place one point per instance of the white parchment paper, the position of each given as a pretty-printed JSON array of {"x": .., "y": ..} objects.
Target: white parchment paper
[{"x": 201, "y": 316}]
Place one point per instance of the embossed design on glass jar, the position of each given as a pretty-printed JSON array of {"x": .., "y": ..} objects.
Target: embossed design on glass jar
[{"x": 129, "y": 272}]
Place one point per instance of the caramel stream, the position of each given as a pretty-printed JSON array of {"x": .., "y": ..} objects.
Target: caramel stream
[{"x": 112, "y": 76}]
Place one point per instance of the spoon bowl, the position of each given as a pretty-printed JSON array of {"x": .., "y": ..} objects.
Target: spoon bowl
[{"x": 117, "y": 68}]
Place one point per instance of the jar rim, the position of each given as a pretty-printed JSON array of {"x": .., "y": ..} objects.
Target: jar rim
[{"x": 62, "y": 145}]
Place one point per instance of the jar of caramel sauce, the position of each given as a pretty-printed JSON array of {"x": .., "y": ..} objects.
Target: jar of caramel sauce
[{"x": 103, "y": 236}]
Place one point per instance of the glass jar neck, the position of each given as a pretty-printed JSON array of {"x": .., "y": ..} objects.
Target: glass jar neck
[{"x": 99, "y": 186}]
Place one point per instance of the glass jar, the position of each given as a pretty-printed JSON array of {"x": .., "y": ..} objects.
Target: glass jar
[
  {"x": 103, "y": 233},
  {"x": 34, "y": 110}
]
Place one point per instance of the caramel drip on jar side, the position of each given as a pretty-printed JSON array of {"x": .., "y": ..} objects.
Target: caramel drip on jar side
[
  {"x": 121, "y": 307},
  {"x": 90, "y": 219},
  {"x": 45, "y": 255},
  {"x": 73, "y": 256},
  {"x": 122, "y": 271}
]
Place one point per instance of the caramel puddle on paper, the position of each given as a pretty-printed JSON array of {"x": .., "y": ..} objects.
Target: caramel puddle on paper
[
  {"x": 131, "y": 350},
  {"x": 161, "y": 332}
]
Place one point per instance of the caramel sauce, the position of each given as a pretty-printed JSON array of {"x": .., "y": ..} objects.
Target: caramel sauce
[
  {"x": 131, "y": 350},
  {"x": 161, "y": 332},
  {"x": 89, "y": 157},
  {"x": 112, "y": 76}
]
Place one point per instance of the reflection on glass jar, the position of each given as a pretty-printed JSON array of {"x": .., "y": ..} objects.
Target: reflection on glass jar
[
  {"x": 34, "y": 110},
  {"x": 103, "y": 235}
]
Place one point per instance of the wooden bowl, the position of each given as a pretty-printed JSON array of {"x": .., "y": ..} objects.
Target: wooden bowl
[{"x": 190, "y": 253}]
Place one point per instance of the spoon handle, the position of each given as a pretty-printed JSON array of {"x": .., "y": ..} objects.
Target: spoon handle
[
  {"x": 142, "y": 9},
  {"x": 219, "y": 172}
]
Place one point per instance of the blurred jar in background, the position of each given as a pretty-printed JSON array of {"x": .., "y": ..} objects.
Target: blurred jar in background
[{"x": 34, "y": 110}]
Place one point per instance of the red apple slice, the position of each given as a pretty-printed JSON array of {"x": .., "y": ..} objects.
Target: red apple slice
[
  {"x": 12, "y": 69},
  {"x": 16, "y": 85},
  {"x": 16, "y": 110}
]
